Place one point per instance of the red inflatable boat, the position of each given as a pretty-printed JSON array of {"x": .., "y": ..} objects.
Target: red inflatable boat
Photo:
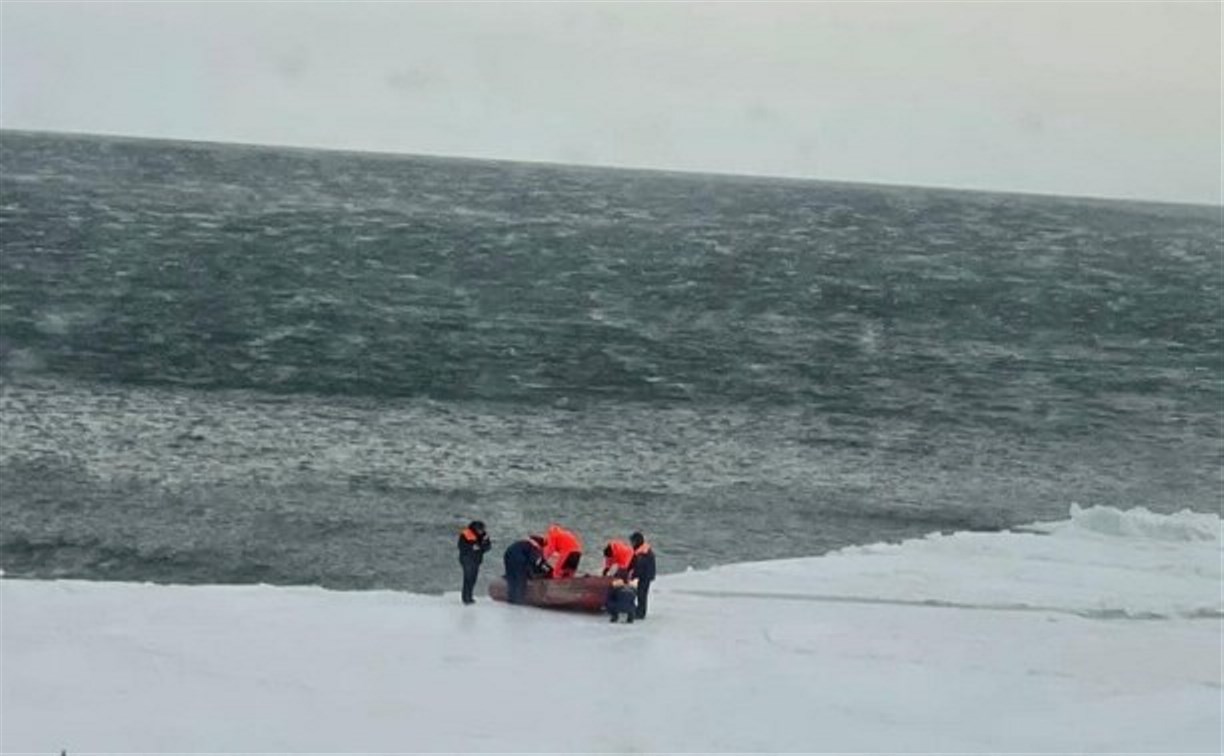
[{"x": 584, "y": 593}]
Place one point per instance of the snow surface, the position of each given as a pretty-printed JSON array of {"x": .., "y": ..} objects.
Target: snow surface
[{"x": 1101, "y": 633}]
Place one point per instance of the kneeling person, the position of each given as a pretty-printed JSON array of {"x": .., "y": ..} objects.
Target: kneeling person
[{"x": 622, "y": 599}]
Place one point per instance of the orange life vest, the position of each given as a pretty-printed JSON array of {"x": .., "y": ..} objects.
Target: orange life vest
[
  {"x": 622, "y": 555},
  {"x": 560, "y": 543},
  {"x": 560, "y": 540}
]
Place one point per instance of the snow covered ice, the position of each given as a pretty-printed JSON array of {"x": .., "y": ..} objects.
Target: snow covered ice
[{"x": 1101, "y": 633}]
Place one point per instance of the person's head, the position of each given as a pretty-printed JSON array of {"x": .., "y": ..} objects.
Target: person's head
[
  {"x": 637, "y": 539},
  {"x": 477, "y": 527},
  {"x": 608, "y": 549}
]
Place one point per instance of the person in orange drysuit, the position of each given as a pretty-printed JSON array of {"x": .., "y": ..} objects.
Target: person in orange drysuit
[
  {"x": 562, "y": 550},
  {"x": 617, "y": 556}
]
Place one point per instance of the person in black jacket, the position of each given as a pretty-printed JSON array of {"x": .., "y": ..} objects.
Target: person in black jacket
[
  {"x": 622, "y": 598},
  {"x": 641, "y": 569},
  {"x": 523, "y": 559},
  {"x": 473, "y": 543}
]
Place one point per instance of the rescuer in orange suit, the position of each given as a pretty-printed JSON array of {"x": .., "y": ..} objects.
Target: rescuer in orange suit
[
  {"x": 562, "y": 550},
  {"x": 617, "y": 556}
]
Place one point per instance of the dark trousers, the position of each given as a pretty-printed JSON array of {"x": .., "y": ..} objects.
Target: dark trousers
[
  {"x": 643, "y": 590},
  {"x": 516, "y": 582},
  {"x": 620, "y": 601},
  {"x": 470, "y": 570}
]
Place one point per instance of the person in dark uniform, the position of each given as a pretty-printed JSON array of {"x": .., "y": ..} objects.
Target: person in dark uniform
[
  {"x": 473, "y": 543},
  {"x": 523, "y": 559},
  {"x": 642, "y": 570},
  {"x": 621, "y": 598}
]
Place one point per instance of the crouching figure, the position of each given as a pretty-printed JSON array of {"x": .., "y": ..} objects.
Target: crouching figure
[
  {"x": 622, "y": 598},
  {"x": 523, "y": 560}
]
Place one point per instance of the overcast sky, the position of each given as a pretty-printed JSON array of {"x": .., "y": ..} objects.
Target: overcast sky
[{"x": 1082, "y": 98}]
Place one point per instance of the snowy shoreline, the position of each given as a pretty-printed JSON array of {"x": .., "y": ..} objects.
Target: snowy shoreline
[{"x": 1100, "y": 633}]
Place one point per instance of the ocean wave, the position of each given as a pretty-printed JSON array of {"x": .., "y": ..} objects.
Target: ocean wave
[{"x": 1142, "y": 523}]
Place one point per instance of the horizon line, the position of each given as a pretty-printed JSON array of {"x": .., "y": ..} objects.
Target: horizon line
[{"x": 1218, "y": 204}]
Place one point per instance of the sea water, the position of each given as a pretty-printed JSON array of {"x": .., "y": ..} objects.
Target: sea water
[{"x": 238, "y": 364}]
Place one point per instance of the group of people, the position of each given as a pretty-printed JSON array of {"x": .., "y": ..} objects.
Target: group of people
[
  {"x": 632, "y": 565},
  {"x": 556, "y": 555}
]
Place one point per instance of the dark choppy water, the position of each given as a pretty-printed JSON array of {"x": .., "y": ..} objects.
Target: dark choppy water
[{"x": 228, "y": 364}]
